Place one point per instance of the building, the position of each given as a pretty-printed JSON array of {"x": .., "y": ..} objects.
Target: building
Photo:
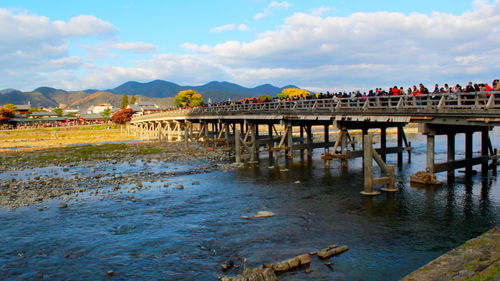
[
  {"x": 96, "y": 109},
  {"x": 144, "y": 107}
]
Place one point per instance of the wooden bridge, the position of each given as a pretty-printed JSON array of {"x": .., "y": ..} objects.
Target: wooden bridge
[{"x": 288, "y": 126}]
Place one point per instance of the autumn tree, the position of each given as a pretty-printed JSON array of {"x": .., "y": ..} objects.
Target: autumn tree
[
  {"x": 5, "y": 114},
  {"x": 293, "y": 92},
  {"x": 188, "y": 98},
  {"x": 122, "y": 116},
  {"x": 10, "y": 107},
  {"x": 124, "y": 102}
]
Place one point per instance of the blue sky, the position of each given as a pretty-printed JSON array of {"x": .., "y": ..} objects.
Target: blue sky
[{"x": 317, "y": 44}]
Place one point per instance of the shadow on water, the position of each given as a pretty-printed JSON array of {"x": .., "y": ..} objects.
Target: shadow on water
[{"x": 172, "y": 234}]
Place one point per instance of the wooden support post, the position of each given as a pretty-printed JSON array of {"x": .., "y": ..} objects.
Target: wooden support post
[
  {"x": 327, "y": 139},
  {"x": 186, "y": 135},
  {"x": 215, "y": 128},
  {"x": 309, "y": 140},
  {"x": 468, "y": 151},
  {"x": 430, "y": 152},
  {"x": 343, "y": 162},
  {"x": 205, "y": 132},
  {"x": 226, "y": 133},
  {"x": 237, "y": 146},
  {"x": 270, "y": 134},
  {"x": 368, "y": 167},
  {"x": 383, "y": 141},
  {"x": 168, "y": 131},
  {"x": 289, "y": 140},
  {"x": 255, "y": 148},
  {"x": 400, "y": 144},
  {"x": 391, "y": 186},
  {"x": 158, "y": 131},
  {"x": 484, "y": 150},
  {"x": 450, "y": 151},
  {"x": 301, "y": 141}
]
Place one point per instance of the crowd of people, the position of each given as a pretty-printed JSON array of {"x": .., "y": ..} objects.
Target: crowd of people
[{"x": 419, "y": 91}]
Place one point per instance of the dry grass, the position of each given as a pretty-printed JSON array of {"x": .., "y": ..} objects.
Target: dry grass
[{"x": 52, "y": 137}]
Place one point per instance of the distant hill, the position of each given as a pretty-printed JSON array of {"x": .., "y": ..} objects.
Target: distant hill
[
  {"x": 157, "y": 91},
  {"x": 5, "y": 91},
  {"x": 215, "y": 90}
]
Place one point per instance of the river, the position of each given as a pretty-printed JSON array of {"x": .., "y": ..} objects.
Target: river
[{"x": 186, "y": 234}]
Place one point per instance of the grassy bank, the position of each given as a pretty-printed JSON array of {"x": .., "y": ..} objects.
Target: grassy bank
[{"x": 30, "y": 139}]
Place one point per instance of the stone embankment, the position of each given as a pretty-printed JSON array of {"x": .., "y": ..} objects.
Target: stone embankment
[{"x": 476, "y": 260}]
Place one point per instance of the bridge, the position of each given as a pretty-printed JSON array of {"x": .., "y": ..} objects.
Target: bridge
[{"x": 288, "y": 126}]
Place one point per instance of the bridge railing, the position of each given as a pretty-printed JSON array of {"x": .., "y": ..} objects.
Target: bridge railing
[{"x": 438, "y": 102}]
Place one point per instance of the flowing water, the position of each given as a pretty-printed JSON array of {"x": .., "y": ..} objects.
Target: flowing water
[{"x": 186, "y": 234}]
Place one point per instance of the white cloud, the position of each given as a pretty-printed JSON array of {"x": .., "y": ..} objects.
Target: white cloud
[
  {"x": 273, "y": 6},
  {"x": 371, "y": 48},
  {"x": 35, "y": 44},
  {"x": 321, "y": 10},
  {"x": 229, "y": 27},
  {"x": 135, "y": 47}
]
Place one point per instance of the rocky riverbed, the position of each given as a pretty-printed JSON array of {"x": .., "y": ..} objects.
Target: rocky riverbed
[{"x": 74, "y": 174}]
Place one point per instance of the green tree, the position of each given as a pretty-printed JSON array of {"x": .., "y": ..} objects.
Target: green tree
[
  {"x": 71, "y": 114},
  {"x": 124, "y": 101},
  {"x": 266, "y": 98},
  {"x": 293, "y": 92},
  {"x": 188, "y": 98},
  {"x": 133, "y": 100},
  {"x": 58, "y": 111},
  {"x": 106, "y": 113},
  {"x": 34, "y": 109}
]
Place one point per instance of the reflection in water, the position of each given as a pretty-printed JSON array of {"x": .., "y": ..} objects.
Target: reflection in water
[{"x": 187, "y": 234}]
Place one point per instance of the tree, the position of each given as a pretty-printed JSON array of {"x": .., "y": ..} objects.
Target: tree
[
  {"x": 5, "y": 114},
  {"x": 124, "y": 101},
  {"x": 106, "y": 113},
  {"x": 34, "y": 109},
  {"x": 293, "y": 92},
  {"x": 188, "y": 98},
  {"x": 133, "y": 100},
  {"x": 70, "y": 114},
  {"x": 58, "y": 111},
  {"x": 122, "y": 116},
  {"x": 266, "y": 98},
  {"x": 10, "y": 107}
]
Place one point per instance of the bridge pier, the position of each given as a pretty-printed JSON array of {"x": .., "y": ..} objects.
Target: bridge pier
[{"x": 451, "y": 164}]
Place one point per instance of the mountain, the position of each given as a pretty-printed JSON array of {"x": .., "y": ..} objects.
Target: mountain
[
  {"x": 157, "y": 91},
  {"x": 154, "y": 89},
  {"x": 215, "y": 90},
  {"x": 6, "y": 91},
  {"x": 18, "y": 97}
]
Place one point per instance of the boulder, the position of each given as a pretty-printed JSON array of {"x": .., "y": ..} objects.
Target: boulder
[
  {"x": 266, "y": 274},
  {"x": 328, "y": 252},
  {"x": 424, "y": 178},
  {"x": 264, "y": 214}
]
